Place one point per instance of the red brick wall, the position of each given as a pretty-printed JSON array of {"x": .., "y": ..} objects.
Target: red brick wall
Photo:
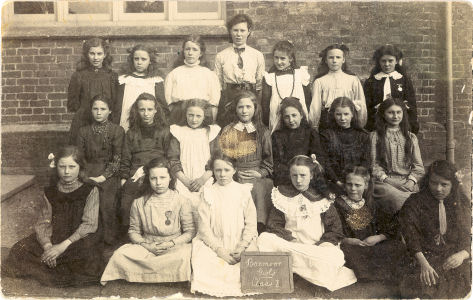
[{"x": 36, "y": 72}]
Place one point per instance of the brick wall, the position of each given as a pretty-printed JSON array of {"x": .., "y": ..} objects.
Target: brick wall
[{"x": 36, "y": 72}]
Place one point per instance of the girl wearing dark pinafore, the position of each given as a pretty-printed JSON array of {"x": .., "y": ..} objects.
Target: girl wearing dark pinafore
[{"x": 66, "y": 248}]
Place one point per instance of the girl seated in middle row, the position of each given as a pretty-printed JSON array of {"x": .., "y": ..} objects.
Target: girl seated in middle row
[
  {"x": 147, "y": 138},
  {"x": 306, "y": 224},
  {"x": 344, "y": 142},
  {"x": 248, "y": 141}
]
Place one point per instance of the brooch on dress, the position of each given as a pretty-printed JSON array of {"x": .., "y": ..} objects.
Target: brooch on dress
[
  {"x": 168, "y": 214},
  {"x": 399, "y": 87}
]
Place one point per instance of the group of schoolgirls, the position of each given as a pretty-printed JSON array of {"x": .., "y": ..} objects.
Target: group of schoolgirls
[{"x": 287, "y": 168}]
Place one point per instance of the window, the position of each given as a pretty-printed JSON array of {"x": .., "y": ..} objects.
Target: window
[{"x": 101, "y": 12}]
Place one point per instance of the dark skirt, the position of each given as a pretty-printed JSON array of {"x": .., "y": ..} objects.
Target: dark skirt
[
  {"x": 130, "y": 191},
  {"x": 454, "y": 283},
  {"x": 109, "y": 208},
  {"x": 79, "y": 265},
  {"x": 378, "y": 262}
]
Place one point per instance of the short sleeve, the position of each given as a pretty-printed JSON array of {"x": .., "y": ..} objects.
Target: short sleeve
[
  {"x": 269, "y": 78},
  {"x": 304, "y": 75},
  {"x": 214, "y": 130},
  {"x": 176, "y": 131}
]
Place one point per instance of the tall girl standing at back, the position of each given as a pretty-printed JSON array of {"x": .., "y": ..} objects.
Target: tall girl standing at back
[
  {"x": 395, "y": 155},
  {"x": 141, "y": 76},
  {"x": 94, "y": 76},
  {"x": 378, "y": 88},
  {"x": 333, "y": 81},
  {"x": 238, "y": 67},
  {"x": 191, "y": 79},
  {"x": 284, "y": 80}
]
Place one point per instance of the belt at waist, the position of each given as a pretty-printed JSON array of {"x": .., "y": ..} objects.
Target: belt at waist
[{"x": 242, "y": 86}]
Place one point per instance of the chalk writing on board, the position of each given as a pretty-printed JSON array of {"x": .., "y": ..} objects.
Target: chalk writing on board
[{"x": 266, "y": 272}]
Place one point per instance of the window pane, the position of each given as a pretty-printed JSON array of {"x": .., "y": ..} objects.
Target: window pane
[
  {"x": 144, "y": 7},
  {"x": 197, "y": 6},
  {"x": 33, "y": 7},
  {"x": 88, "y": 7}
]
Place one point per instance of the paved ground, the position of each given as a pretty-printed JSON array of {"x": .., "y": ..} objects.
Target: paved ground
[{"x": 19, "y": 213}]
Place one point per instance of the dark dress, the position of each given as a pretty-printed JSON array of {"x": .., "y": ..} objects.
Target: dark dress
[
  {"x": 142, "y": 144},
  {"x": 102, "y": 148},
  {"x": 341, "y": 148},
  {"x": 378, "y": 262},
  {"x": 84, "y": 85},
  {"x": 288, "y": 143},
  {"x": 80, "y": 264},
  {"x": 401, "y": 88},
  {"x": 251, "y": 151},
  {"x": 419, "y": 221}
]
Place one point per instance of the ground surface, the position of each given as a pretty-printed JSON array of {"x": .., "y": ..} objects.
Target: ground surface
[{"x": 18, "y": 215}]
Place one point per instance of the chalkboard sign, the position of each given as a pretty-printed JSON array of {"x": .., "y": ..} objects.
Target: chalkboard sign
[{"x": 266, "y": 272}]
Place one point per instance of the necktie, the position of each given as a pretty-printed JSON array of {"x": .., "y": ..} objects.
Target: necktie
[
  {"x": 240, "y": 59},
  {"x": 442, "y": 218},
  {"x": 387, "y": 88}
]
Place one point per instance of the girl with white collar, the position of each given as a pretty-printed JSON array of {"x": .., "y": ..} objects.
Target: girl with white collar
[
  {"x": 248, "y": 142},
  {"x": 378, "y": 88}
]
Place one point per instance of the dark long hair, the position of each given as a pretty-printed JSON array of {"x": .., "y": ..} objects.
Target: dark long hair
[
  {"x": 78, "y": 157},
  {"x": 84, "y": 62},
  {"x": 288, "y": 48},
  {"x": 447, "y": 171},
  {"x": 196, "y": 39},
  {"x": 381, "y": 126},
  {"x": 152, "y": 70},
  {"x": 159, "y": 162},
  {"x": 316, "y": 170},
  {"x": 343, "y": 102},
  {"x": 387, "y": 50},
  {"x": 159, "y": 118},
  {"x": 323, "y": 68},
  {"x": 292, "y": 102}
]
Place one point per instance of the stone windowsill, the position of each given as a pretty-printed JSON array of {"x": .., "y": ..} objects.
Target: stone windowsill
[{"x": 163, "y": 29}]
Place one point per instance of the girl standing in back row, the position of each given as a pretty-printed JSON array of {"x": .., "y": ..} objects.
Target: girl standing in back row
[
  {"x": 94, "y": 76},
  {"x": 333, "y": 81},
  {"x": 142, "y": 76},
  {"x": 284, "y": 80}
]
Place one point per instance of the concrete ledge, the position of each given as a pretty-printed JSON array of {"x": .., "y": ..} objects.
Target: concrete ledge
[
  {"x": 12, "y": 184},
  {"x": 61, "y": 127}
]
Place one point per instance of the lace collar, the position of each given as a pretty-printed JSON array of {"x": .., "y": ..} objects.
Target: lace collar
[
  {"x": 68, "y": 187},
  {"x": 353, "y": 204},
  {"x": 250, "y": 127},
  {"x": 395, "y": 75}
]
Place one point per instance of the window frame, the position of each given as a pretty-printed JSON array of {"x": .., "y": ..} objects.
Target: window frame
[{"x": 116, "y": 18}]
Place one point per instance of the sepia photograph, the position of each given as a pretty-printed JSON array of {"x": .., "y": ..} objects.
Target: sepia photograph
[{"x": 189, "y": 149}]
